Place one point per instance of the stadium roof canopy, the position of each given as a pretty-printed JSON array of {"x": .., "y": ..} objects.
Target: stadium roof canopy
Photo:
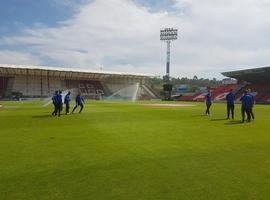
[
  {"x": 72, "y": 73},
  {"x": 254, "y": 75}
]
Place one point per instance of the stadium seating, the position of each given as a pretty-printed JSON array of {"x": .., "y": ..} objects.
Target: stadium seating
[
  {"x": 35, "y": 86},
  {"x": 261, "y": 92},
  {"x": 114, "y": 87},
  {"x": 55, "y": 84},
  {"x": 3, "y": 86},
  {"x": 146, "y": 93},
  {"x": 266, "y": 98},
  {"x": 27, "y": 81},
  {"x": 42, "y": 87},
  {"x": 218, "y": 94},
  {"x": 89, "y": 89},
  {"x": 199, "y": 97},
  {"x": 20, "y": 84},
  {"x": 187, "y": 96}
]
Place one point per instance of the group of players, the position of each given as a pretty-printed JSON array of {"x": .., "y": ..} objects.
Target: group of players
[
  {"x": 57, "y": 100},
  {"x": 247, "y": 101}
]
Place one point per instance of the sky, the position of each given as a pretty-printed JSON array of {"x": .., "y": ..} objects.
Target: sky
[{"x": 123, "y": 35}]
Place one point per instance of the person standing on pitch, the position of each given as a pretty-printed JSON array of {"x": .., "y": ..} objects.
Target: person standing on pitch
[
  {"x": 208, "y": 100},
  {"x": 54, "y": 100},
  {"x": 59, "y": 103},
  {"x": 66, "y": 101},
  {"x": 253, "y": 102},
  {"x": 230, "y": 104},
  {"x": 246, "y": 106},
  {"x": 79, "y": 102}
]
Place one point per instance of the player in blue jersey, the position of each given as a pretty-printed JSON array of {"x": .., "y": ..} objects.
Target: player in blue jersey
[
  {"x": 67, "y": 101},
  {"x": 208, "y": 100},
  {"x": 54, "y": 101},
  {"x": 79, "y": 102},
  {"x": 59, "y": 103},
  {"x": 230, "y": 97},
  {"x": 253, "y": 102},
  {"x": 246, "y": 106}
]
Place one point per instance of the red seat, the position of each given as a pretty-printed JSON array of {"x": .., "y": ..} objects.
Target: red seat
[{"x": 261, "y": 92}]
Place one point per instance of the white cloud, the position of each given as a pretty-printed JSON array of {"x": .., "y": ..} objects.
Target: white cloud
[
  {"x": 11, "y": 57},
  {"x": 214, "y": 36}
]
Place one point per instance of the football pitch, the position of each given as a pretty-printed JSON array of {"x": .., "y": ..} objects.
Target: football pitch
[{"x": 130, "y": 151}]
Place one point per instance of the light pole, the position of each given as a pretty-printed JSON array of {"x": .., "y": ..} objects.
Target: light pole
[{"x": 168, "y": 35}]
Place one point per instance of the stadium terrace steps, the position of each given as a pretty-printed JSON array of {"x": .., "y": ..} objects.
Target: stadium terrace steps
[{"x": 150, "y": 93}]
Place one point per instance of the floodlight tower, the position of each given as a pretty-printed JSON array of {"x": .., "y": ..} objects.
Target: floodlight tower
[{"x": 168, "y": 35}]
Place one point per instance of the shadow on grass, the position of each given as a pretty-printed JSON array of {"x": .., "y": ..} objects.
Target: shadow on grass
[
  {"x": 203, "y": 115},
  {"x": 43, "y": 116},
  {"x": 221, "y": 119},
  {"x": 233, "y": 122}
]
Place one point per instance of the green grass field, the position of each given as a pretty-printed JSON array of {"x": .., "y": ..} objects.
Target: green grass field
[{"x": 130, "y": 151}]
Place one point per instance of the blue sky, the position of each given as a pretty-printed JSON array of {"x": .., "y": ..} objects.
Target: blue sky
[
  {"x": 17, "y": 14},
  {"x": 123, "y": 35}
]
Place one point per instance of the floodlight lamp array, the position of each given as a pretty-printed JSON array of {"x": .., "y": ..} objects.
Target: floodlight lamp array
[{"x": 168, "y": 34}]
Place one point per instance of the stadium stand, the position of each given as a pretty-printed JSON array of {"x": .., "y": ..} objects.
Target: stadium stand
[
  {"x": 3, "y": 85},
  {"x": 257, "y": 80},
  {"x": 219, "y": 93},
  {"x": 89, "y": 89},
  {"x": 260, "y": 91},
  {"x": 267, "y": 98},
  {"x": 199, "y": 97},
  {"x": 187, "y": 96},
  {"x": 147, "y": 93},
  {"x": 41, "y": 82}
]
